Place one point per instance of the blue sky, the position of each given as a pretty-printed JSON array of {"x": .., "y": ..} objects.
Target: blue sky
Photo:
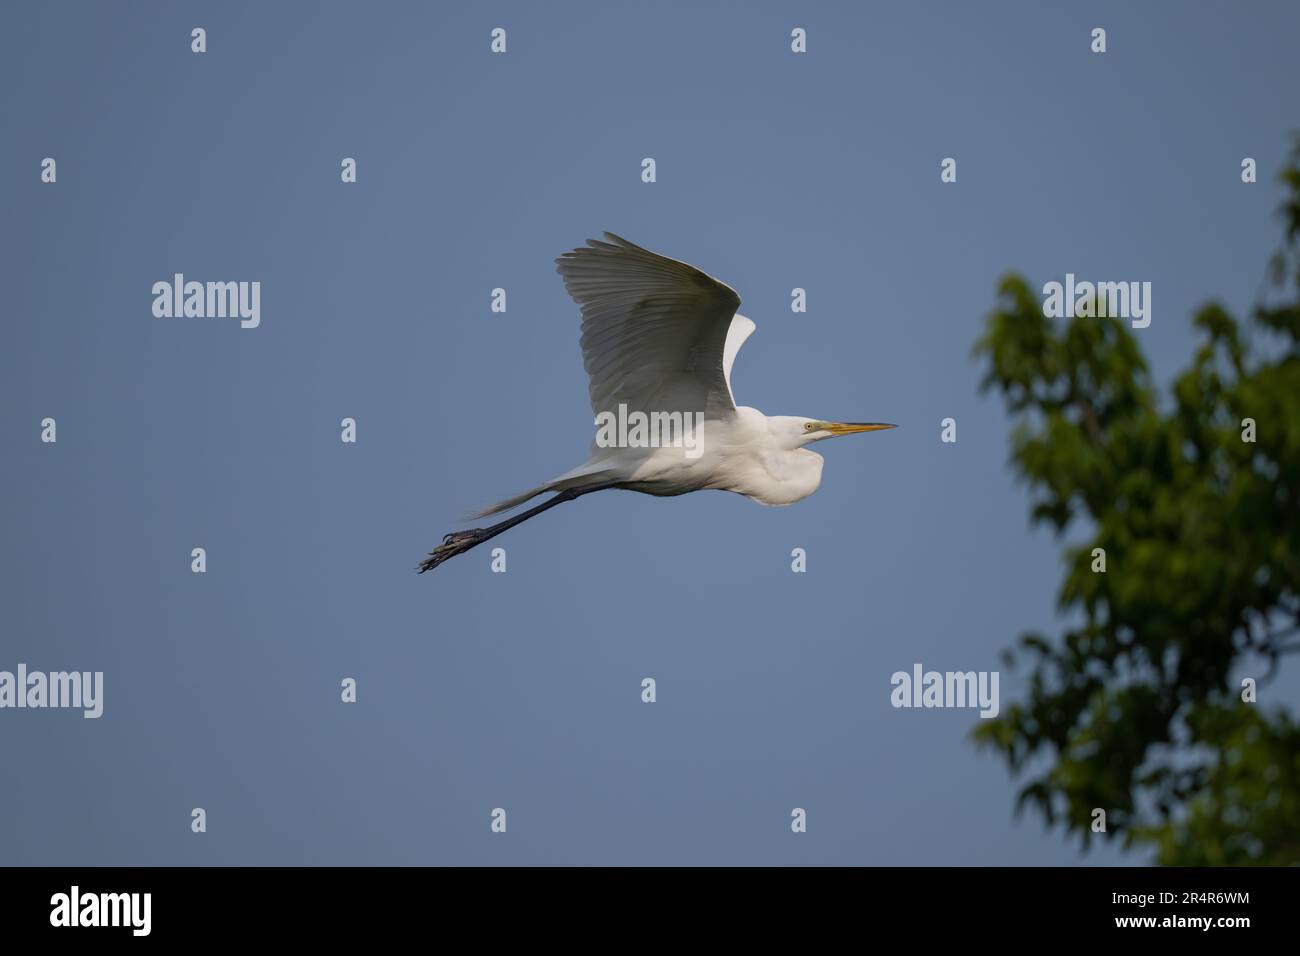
[{"x": 522, "y": 690}]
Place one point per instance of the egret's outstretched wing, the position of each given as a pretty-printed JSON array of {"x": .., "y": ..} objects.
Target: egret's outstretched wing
[{"x": 657, "y": 335}]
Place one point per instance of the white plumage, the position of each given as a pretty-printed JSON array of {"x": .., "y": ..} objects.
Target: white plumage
[{"x": 660, "y": 337}]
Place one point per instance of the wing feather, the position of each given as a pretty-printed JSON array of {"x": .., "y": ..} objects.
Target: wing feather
[{"x": 657, "y": 334}]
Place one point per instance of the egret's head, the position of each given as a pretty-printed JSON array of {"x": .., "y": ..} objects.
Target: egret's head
[{"x": 811, "y": 430}]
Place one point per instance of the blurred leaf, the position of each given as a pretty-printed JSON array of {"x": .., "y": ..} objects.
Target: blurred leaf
[{"x": 1135, "y": 706}]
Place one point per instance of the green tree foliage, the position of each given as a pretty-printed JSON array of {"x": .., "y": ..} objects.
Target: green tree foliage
[{"x": 1137, "y": 707}]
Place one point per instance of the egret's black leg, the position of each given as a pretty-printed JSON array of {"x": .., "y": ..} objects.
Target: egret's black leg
[{"x": 460, "y": 541}]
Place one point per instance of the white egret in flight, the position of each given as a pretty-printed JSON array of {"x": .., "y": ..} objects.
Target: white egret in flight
[{"x": 659, "y": 338}]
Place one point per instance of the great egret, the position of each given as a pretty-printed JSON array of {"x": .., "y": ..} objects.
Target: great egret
[{"x": 658, "y": 341}]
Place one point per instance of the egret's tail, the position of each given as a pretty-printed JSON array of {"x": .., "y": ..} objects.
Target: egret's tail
[
  {"x": 511, "y": 502},
  {"x": 581, "y": 476}
]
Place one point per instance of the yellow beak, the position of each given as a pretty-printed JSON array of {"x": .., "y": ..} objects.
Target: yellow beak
[{"x": 849, "y": 428}]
